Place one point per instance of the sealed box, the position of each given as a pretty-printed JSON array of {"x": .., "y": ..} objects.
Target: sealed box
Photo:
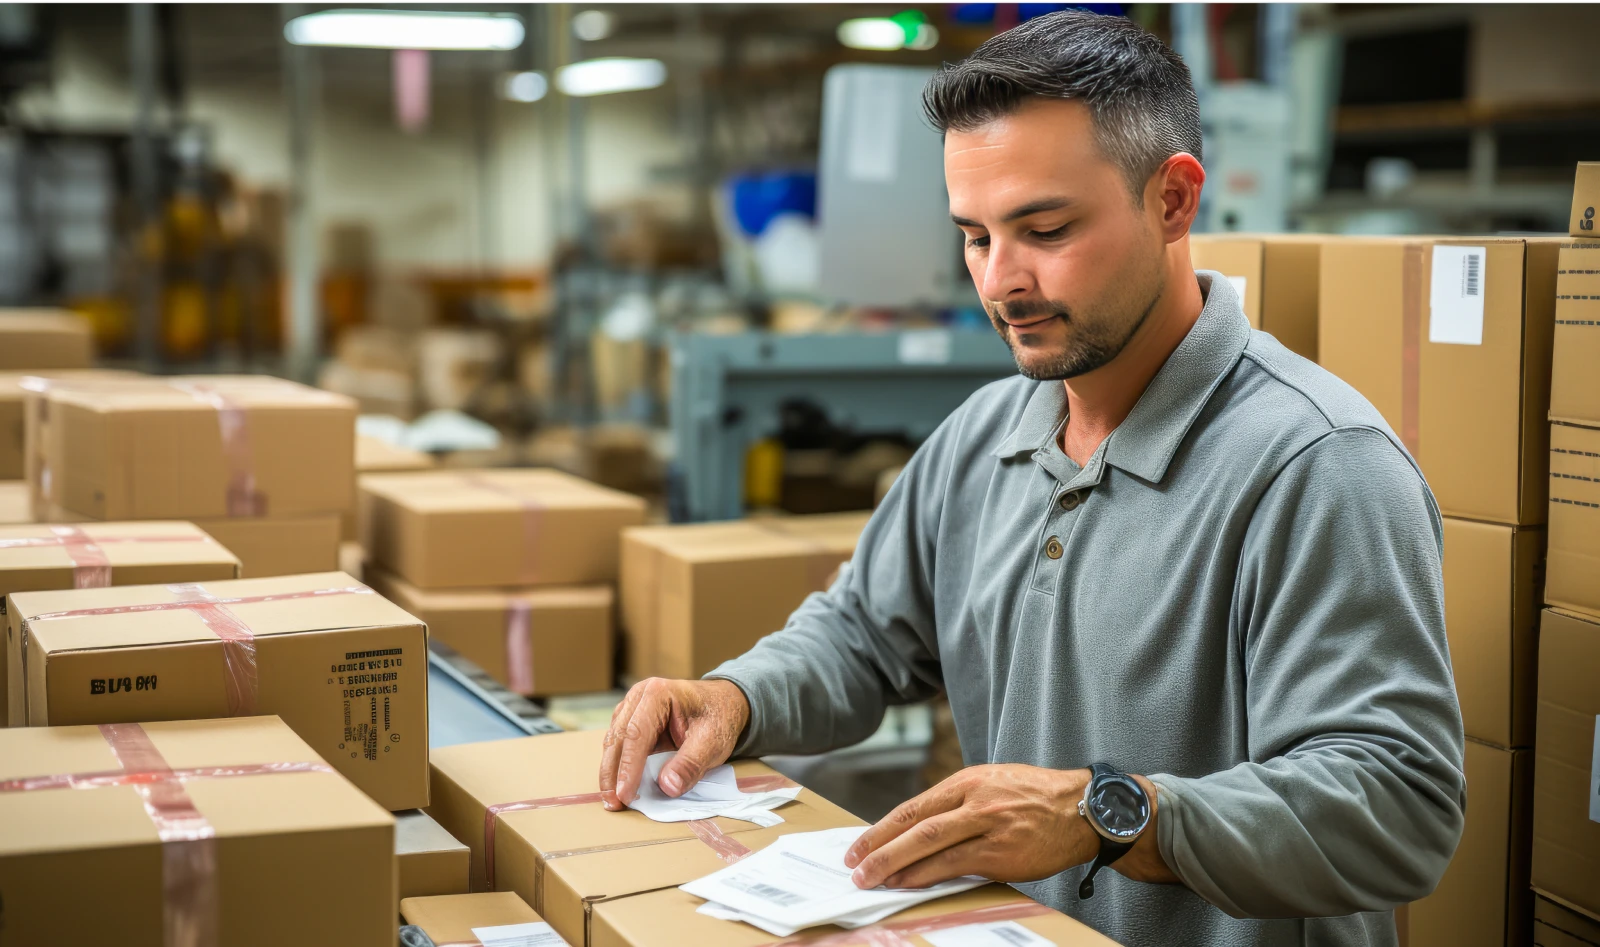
[
  {"x": 1483, "y": 898},
  {"x": 528, "y": 804},
  {"x": 344, "y": 667},
  {"x": 430, "y": 859},
  {"x": 1451, "y": 341},
  {"x": 477, "y": 528},
  {"x": 1585, "y": 199},
  {"x": 217, "y": 831},
  {"x": 15, "y": 507},
  {"x": 1491, "y": 613},
  {"x": 539, "y": 642},
  {"x": 187, "y": 447},
  {"x": 379, "y": 456},
  {"x": 13, "y": 401},
  {"x": 669, "y": 918},
  {"x": 35, "y": 339},
  {"x": 279, "y": 545},
  {"x": 452, "y": 918},
  {"x": 1572, "y": 577},
  {"x": 1557, "y": 925},
  {"x": 1276, "y": 276},
  {"x": 1566, "y": 805},
  {"x": 1574, "y": 384}
]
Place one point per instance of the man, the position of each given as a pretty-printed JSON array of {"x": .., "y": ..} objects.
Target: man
[{"x": 1171, "y": 547}]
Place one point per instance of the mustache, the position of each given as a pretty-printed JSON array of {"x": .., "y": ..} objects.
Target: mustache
[{"x": 1029, "y": 309}]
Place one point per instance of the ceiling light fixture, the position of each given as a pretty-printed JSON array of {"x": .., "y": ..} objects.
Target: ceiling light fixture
[
  {"x": 592, "y": 25},
  {"x": 907, "y": 30},
  {"x": 526, "y": 86},
  {"x": 611, "y": 74},
  {"x": 406, "y": 29}
]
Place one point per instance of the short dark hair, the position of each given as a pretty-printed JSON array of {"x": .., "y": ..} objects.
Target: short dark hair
[{"x": 1138, "y": 91}]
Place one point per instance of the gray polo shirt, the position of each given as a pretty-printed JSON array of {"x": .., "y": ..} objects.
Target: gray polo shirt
[{"x": 1239, "y": 596}]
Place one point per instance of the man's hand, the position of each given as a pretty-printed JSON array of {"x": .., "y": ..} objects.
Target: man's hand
[
  {"x": 1005, "y": 822},
  {"x": 702, "y": 720}
]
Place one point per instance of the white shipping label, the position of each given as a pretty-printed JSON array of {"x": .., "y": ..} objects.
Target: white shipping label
[
  {"x": 996, "y": 934},
  {"x": 1594, "y": 775},
  {"x": 1240, "y": 284},
  {"x": 1456, "y": 295},
  {"x": 537, "y": 934},
  {"x": 925, "y": 347}
]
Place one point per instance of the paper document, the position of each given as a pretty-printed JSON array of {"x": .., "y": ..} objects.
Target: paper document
[
  {"x": 800, "y": 881},
  {"x": 716, "y": 794},
  {"x": 536, "y": 934}
]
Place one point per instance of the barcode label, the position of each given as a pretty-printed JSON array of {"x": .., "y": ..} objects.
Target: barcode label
[
  {"x": 763, "y": 891},
  {"x": 993, "y": 934},
  {"x": 1456, "y": 295}
]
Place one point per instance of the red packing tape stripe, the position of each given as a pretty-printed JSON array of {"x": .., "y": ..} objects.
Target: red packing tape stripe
[
  {"x": 900, "y": 932},
  {"x": 243, "y": 497},
  {"x": 127, "y": 777},
  {"x": 746, "y": 783},
  {"x": 531, "y": 509},
  {"x": 519, "y": 646},
  {"x": 91, "y": 568}
]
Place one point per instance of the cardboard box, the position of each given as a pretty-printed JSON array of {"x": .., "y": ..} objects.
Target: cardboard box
[
  {"x": 539, "y": 642},
  {"x": 1573, "y": 574},
  {"x": 13, "y": 401},
  {"x": 378, "y": 456},
  {"x": 430, "y": 859},
  {"x": 15, "y": 507},
  {"x": 1491, "y": 612},
  {"x": 668, "y": 918},
  {"x": 1483, "y": 898},
  {"x": 189, "y": 447},
  {"x": 1277, "y": 278},
  {"x": 1585, "y": 199},
  {"x": 1557, "y": 925},
  {"x": 449, "y": 919},
  {"x": 1574, "y": 384},
  {"x": 472, "y": 529},
  {"x": 344, "y": 667},
  {"x": 294, "y": 851},
  {"x": 1566, "y": 808},
  {"x": 279, "y": 545},
  {"x": 1473, "y": 415},
  {"x": 533, "y": 846},
  {"x": 34, "y": 339}
]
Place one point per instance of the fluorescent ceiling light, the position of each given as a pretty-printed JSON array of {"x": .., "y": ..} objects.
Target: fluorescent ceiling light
[
  {"x": 591, "y": 25},
  {"x": 406, "y": 29},
  {"x": 612, "y": 74},
  {"x": 909, "y": 30},
  {"x": 526, "y": 86}
]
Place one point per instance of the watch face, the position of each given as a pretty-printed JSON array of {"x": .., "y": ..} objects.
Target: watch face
[{"x": 1119, "y": 806}]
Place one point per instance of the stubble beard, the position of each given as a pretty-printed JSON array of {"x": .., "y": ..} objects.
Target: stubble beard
[{"x": 1099, "y": 337}]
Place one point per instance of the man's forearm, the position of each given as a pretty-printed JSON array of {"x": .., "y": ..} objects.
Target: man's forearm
[{"x": 1144, "y": 861}]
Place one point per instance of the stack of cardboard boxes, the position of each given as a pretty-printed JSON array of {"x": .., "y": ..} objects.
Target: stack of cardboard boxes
[
  {"x": 1566, "y": 792},
  {"x": 515, "y": 569}
]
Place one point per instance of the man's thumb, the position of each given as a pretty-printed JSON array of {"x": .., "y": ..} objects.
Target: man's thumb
[{"x": 690, "y": 764}]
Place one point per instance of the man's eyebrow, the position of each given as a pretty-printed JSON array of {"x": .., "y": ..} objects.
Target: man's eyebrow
[
  {"x": 964, "y": 222},
  {"x": 1026, "y": 210}
]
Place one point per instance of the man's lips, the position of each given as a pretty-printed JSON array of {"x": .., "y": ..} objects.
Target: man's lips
[{"x": 1023, "y": 324}]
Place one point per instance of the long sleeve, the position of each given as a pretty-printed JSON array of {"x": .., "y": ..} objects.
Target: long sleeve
[{"x": 1353, "y": 796}]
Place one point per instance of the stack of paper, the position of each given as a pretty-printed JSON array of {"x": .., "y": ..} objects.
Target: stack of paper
[
  {"x": 800, "y": 881},
  {"x": 716, "y": 794}
]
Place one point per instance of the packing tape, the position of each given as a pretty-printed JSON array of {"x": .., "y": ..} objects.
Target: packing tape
[
  {"x": 532, "y": 513},
  {"x": 519, "y": 645},
  {"x": 243, "y": 496},
  {"x": 1412, "y": 287},
  {"x": 238, "y": 642},
  {"x": 899, "y": 933},
  {"x": 91, "y": 568},
  {"x": 703, "y": 829}
]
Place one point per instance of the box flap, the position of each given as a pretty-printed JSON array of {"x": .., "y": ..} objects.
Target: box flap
[
  {"x": 450, "y": 918},
  {"x": 477, "y": 490},
  {"x": 171, "y": 542}
]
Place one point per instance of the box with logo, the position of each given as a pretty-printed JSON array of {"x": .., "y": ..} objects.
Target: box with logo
[
  {"x": 1574, "y": 384},
  {"x": 1276, "y": 276},
  {"x": 36, "y": 339},
  {"x": 1451, "y": 341},
  {"x": 1573, "y": 571},
  {"x": 196, "y": 831},
  {"x": 1585, "y": 199},
  {"x": 431, "y": 861},
  {"x": 539, "y": 641},
  {"x": 13, "y": 401},
  {"x": 1566, "y": 788},
  {"x": 455, "y": 918},
  {"x": 530, "y": 810},
  {"x": 344, "y": 667},
  {"x": 187, "y": 447}
]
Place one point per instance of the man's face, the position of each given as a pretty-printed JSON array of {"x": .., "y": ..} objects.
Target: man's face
[{"x": 1066, "y": 263}]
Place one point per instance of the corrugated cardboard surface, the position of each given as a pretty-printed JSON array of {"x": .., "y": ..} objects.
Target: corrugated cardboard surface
[
  {"x": 472, "y": 529},
  {"x": 1573, "y": 580},
  {"x": 431, "y": 861},
  {"x": 33, "y": 339},
  {"x": 449, "y": 919},
  {"x": 1235, "y": 256},
  {"x": 377, "y": 456},
  {"x": 1491, "y": 610},
  {"x": 1574, "y": 383},
  {"x": 570, "y": 630},
  {"x": 279, "y": 545},
  {"x": 1586, "y": 200},
  {"x": 1472, "y": 415},
  {"x": 298, "y": 854},
  {"x": 1557, "y": 925},
  {"x": 374, "y": 729},
  {"x": 1566, "y": 843},
  {"x": 149, "y": 449},
  {"x": 13, "y": 440},
  {"x": 1281, "y": 274},
  {"x": 15, "y": 507},
  {"x": 1483, "y": 898},
  {"x": 668, "y": 919}
]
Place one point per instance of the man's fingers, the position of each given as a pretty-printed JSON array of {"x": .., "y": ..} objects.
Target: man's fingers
[
  {"x": 918, "y": 843},
  {"x": 941, "y": 798},
  {"x": 964, "y": 858},
  {"x": 639, "y": 740},
  {"x": 700, "y": 751},
  {"x": 611, "y": 753}
]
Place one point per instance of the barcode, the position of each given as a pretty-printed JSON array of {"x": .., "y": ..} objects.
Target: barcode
[
  {"x": 765, "y": 892},
  {"x": 1472, "y": 263},
  {"x": 1014, "y": 935}
]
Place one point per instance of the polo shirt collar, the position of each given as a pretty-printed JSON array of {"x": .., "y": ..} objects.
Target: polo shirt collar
[{"x": 1144, "y": 443}]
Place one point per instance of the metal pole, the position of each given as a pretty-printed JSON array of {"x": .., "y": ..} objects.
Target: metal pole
[
  {"x": 142, "y": 58},
  {"x": 302, "y": 255},
  {"x": 484, "y": 93}
]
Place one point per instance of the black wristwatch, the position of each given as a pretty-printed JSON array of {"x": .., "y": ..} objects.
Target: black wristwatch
[{"x": 1117, "y": 808}]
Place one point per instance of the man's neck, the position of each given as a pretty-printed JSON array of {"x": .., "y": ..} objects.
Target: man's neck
[{"x": 1099, "y": 401}]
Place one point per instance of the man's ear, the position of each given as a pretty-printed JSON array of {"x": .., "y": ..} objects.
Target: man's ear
[{"x": 1174, "y": 191}]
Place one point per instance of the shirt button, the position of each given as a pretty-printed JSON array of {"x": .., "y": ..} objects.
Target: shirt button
[
  {"x": 1070, "y": 501},
  {"x": 1052, "y": 548}
]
